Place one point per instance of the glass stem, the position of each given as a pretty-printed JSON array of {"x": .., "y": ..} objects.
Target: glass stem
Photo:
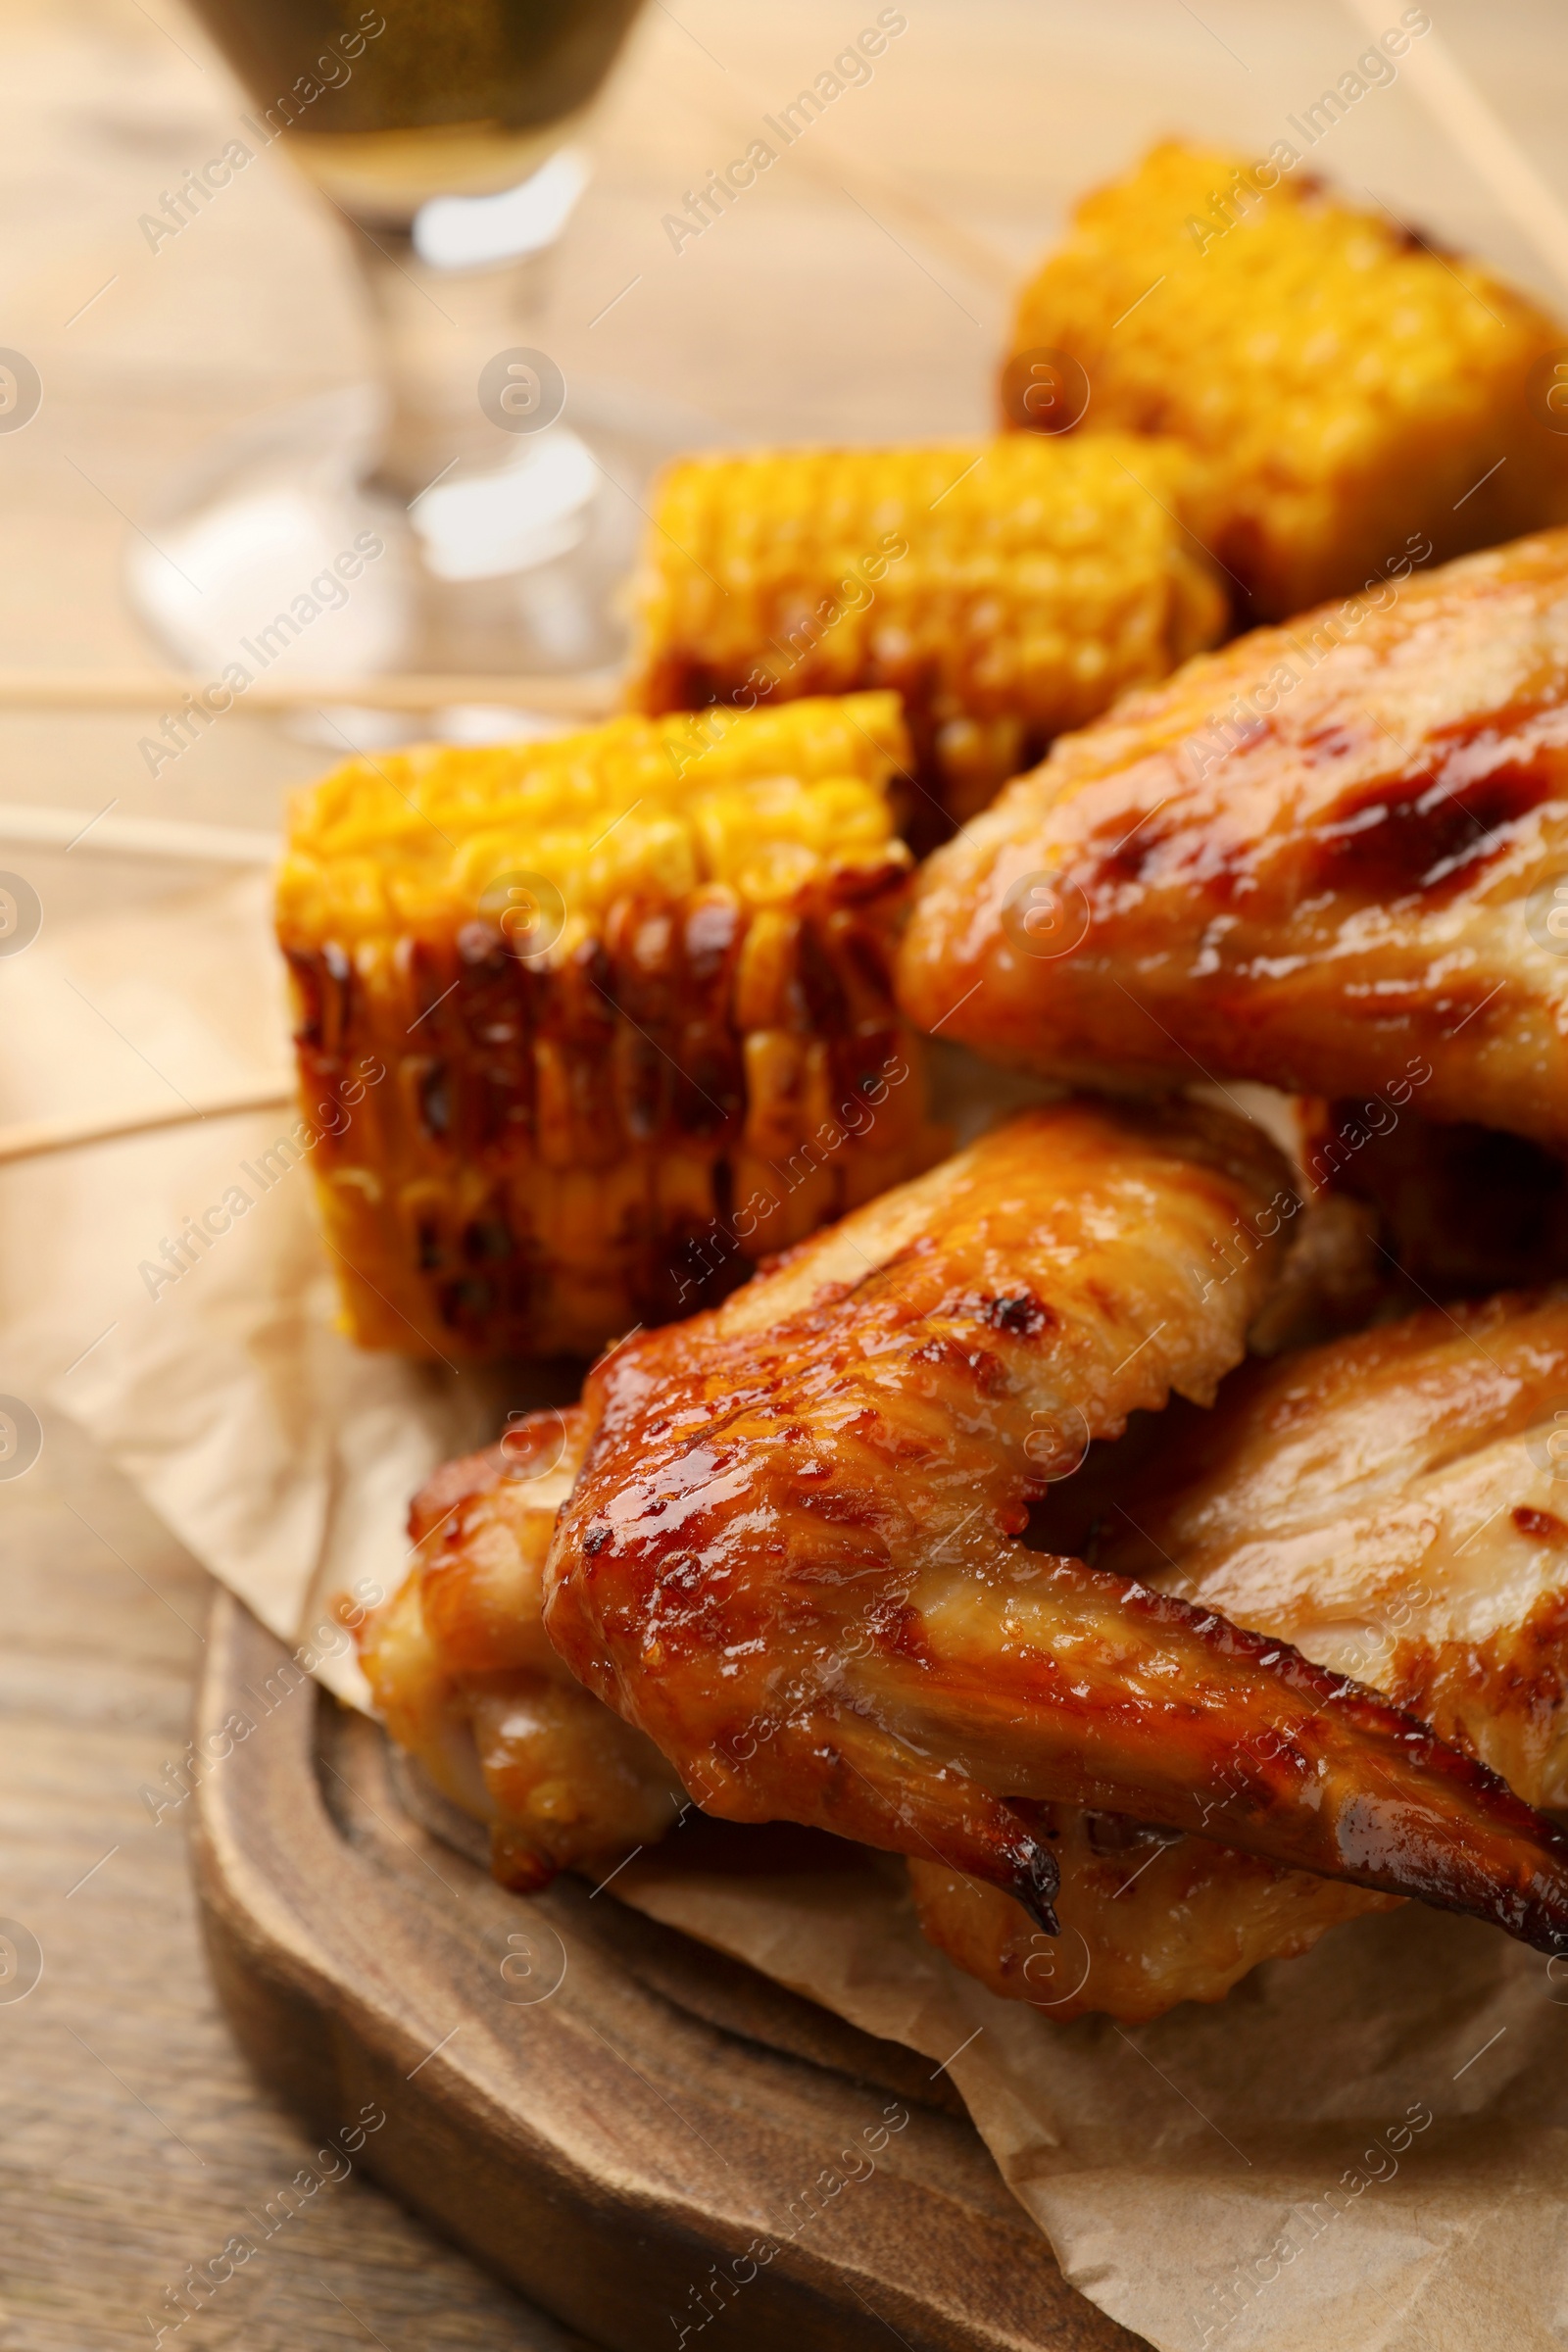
[{"x": 435, "y": 330}]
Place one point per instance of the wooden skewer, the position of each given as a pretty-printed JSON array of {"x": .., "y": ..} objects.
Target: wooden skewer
[
  {"x": 1483, "y": 139},
  {"x": 41, "y": 1137},
  {"x": 886, "y": 197},
  {"x": 590, "y": 694},
  {"x": 137, "y": 836}
]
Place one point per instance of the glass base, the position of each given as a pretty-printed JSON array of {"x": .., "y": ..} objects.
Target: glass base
[{"x": 279, "y": 550}]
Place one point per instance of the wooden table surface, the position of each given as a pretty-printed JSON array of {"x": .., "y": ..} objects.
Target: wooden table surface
[{"x": 861, "y": 291}]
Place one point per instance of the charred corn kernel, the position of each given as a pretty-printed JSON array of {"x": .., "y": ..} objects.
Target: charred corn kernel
[
  {"x": 1359, "y": 401},
  {"x": 585, "y": 1027},
  {"x": 1007, "y": 589}
]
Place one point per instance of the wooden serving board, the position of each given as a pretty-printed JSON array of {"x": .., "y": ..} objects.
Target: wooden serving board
[{"x": 599, "y": 2110}]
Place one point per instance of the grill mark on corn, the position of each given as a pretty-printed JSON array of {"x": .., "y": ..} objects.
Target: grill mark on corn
[{"x": 577, "y": 1143}]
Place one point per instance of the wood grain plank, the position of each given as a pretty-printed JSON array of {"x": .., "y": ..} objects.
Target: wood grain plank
[{"x": 134, "y": 2140}]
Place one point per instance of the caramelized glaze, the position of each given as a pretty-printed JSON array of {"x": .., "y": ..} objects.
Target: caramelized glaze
[
  {"x": 1313, "y": 858},
  {"x": 792, "y": 1556}
]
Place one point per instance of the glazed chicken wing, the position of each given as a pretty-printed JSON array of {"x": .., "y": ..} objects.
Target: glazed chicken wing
[
  {"x": 1146, "y": 1919},
  {"x": 460, "y": 1666},
  {"x": 1327, "y": 857},
  {"x": 1394, "y": 1506},
  {"x": 793, "y": 1555}
]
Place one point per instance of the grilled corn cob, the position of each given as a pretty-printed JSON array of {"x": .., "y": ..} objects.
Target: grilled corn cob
[
  {"x": 1007, "y": 589},
  {"x": 1352, "y": 389},
  {"x": 589, "y": 1025}
]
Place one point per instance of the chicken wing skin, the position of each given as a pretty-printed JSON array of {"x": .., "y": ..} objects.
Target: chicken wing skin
[
  {"x": 792, "y": 1556},
  {"x": 1326, "y": 857},
  {"x": 458, "y": 1663},
  {"x": 1146, "y": 1920},
  {"x": 1395, "y": 1505}
]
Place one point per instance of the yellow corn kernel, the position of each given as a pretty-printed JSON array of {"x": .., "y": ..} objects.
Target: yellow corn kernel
[
  {"x": 1007, "y": 590},
  {"x": 541, "y": 995},
  {"x": 1357, "y": 400}
]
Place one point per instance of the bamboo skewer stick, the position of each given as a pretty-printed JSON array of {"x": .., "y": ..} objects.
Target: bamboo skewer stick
[
  {"x": 37, "y": 1138},
  {"x": 589, "y": 695},
  {"x": 1490, "y": 148},
  {"x": 887, "y": 197},
  {"x": 136, "y": 836}
]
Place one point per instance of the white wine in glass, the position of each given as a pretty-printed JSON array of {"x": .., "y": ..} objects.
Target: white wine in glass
[
  {"x": 502, "y": 492},
  {"x": 389, "y": 105}
]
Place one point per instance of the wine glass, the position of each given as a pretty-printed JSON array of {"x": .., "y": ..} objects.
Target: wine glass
[{"x": 470, "y": 511}]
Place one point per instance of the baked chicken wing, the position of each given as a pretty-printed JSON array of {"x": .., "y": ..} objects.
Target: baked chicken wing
[
  {"x": 1332, "y": 856},
  {"x": 1146, "y": 1919},
  {"x": 1394, "y": 1506},
  {"x": 460, "y": 1666},
  {"x": 793, "y": 1555}
]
